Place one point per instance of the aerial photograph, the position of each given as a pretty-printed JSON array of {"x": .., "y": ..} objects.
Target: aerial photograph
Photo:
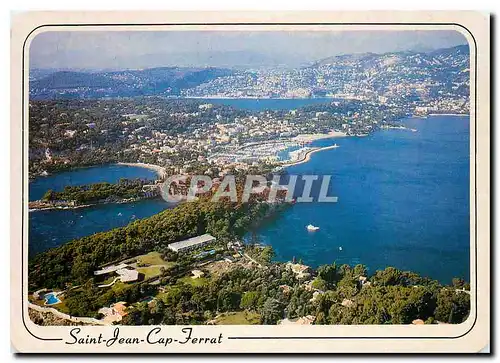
[{"x": 239, "y": 177}]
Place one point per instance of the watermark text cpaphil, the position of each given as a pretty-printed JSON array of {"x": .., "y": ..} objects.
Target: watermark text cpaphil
[{"x": 300, "y": 189}]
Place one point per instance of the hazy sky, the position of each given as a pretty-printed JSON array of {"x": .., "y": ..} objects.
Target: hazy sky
[{"x": 139, "y": 49}]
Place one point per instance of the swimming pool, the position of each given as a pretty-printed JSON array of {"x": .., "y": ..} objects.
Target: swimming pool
[{"x": 51, "y": 299}]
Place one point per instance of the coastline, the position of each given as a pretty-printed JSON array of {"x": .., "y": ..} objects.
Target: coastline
[
  {"x": 305, "y": 157},
  {"x": 34, "y": 176},
  {"x": 68, "y": 207},
  {"x": 308, "y": 138},
  {"x": 313, "y": 137},
  {"x": 253, "y": 98},
  {"x": 30, "y": 210},
  {"x": 449, "y": 114},
  {"x": 160, "y": 171}
]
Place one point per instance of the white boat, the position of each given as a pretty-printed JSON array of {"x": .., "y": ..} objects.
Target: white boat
[
  {"x": 340, "y": 248},
  {"x": 312, "y": 228}
]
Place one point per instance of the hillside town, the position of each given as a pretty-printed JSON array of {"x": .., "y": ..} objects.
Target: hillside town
[
  {"x": 361, "y": 94},
  {"x": 392, "y": 79}
]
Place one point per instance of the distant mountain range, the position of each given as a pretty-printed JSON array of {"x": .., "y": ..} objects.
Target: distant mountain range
[
  {"x": 440, "y": 64},
  {"x": 152, "y": 81},
  {"x": 240, "y": 60},
  {"x": 369, "y": 59}
]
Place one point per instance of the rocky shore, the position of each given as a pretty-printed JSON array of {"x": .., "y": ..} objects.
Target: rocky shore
[
  {"x": 39, "y": 205},
  {"x": 47, "y": 318}
]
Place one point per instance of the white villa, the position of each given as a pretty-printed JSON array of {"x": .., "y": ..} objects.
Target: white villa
[{"x": 124, "y": 272}]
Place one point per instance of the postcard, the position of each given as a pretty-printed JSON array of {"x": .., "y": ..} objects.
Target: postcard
[{"x": 210, "y": 182}]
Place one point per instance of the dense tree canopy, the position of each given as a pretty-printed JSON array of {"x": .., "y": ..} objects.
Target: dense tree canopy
[
  {"x": 92, "y": 193},
  {"x": 75, "y": 261}
]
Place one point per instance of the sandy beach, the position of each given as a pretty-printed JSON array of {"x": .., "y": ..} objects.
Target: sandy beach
[
  {"x": 159, "y": 170},
  {"x": 313, "y": 137}
]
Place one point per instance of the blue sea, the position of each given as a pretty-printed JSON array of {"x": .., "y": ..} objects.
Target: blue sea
[
  {"x": 260, "y": 104},
  {"x": 403, "y": 201},
  {"x": 52, "y": 228}
]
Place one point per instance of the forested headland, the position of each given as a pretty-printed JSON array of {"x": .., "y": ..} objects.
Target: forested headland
[
  {"x": 93, "y": 193},
  {"x": 268, "y": 292}
]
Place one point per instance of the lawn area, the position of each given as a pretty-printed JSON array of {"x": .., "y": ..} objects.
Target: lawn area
[
  {"x": 150, "y": 271},
  {"x": 36, "y": 301},
  {"x": 163, "y": 295},
  {"x": 193, "y": 282},
  {"x": 238, "y": 318},
  {"x": 185, "y": 280},
  {"x": 154, "y": 262},
  {"x": 62, "y": 306},
  {"x": 152, "y": 258},
  {"x": 119, "y": 286},
  {"x": 107, "y": 280}
]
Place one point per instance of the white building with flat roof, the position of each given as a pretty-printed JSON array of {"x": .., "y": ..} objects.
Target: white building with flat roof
[
  {"x": 192, "y": 243},
  {"x": 127, "y": 275},
  {"x": 110, "y": 269}
]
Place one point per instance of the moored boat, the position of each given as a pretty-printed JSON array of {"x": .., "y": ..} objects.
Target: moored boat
[{"x": 312, "y": 228}]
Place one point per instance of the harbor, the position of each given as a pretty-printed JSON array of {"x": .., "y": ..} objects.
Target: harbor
[{"x": 304, "y": 155}]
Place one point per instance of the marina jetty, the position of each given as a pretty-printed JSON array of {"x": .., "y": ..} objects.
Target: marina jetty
[{"x": 305, "y": 156}]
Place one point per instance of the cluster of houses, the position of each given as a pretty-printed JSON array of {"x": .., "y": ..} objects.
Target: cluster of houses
[
  {"x": 127, "y": 273},
  {"x": 115, "y": 313},
  {"x": 302, "y": 272}
]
